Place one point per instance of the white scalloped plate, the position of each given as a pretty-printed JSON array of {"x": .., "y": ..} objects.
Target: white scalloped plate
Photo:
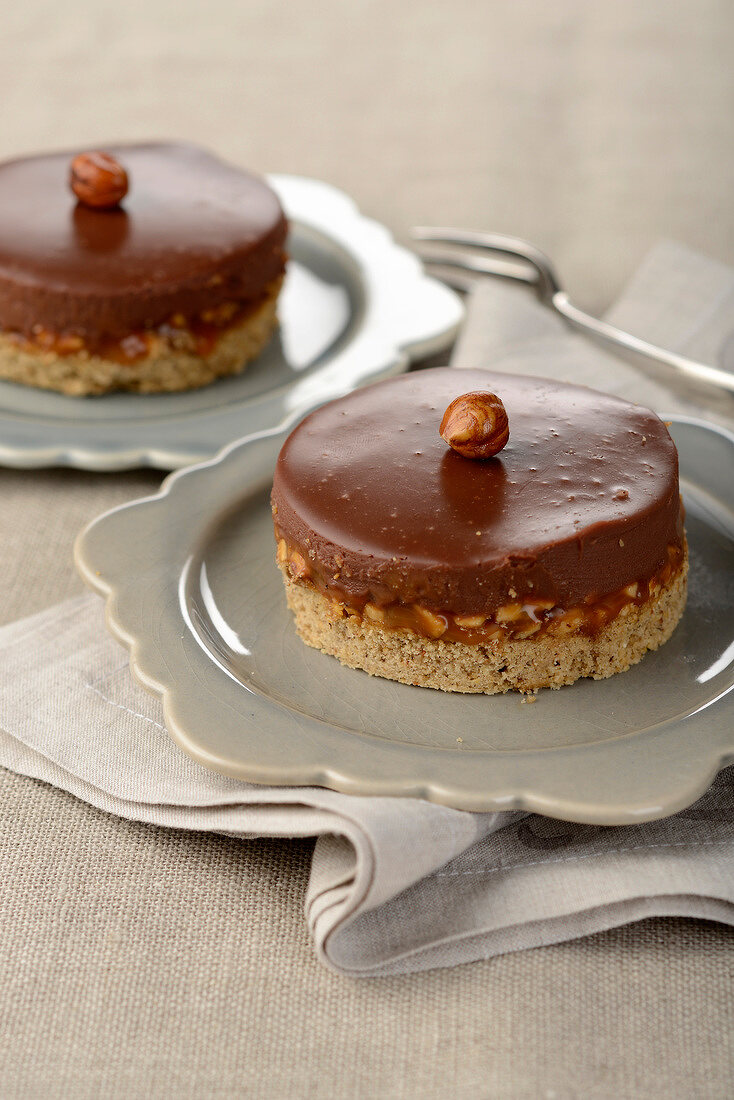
[
  {"x": 355, "y": 307},
  {"x": 192, "y": 590}
]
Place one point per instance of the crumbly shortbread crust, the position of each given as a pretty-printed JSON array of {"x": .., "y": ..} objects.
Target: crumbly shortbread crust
[
  {"x": 504, "y": 665},
  {"x": 172, "y": 363}
]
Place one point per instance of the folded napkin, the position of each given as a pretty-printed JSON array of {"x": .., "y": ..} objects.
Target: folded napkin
[{"x": 400, "y": 884}]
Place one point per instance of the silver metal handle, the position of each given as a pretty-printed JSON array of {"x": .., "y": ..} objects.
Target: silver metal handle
[
  {"x": 535, "y": 268},
  {"x": 616, "y": 337}
]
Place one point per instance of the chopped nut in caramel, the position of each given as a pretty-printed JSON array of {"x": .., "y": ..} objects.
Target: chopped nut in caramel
[
  {"x": 431, "y": 624},
  {"x": 470, "y": 622},
  {"x": 297, "y": 565}
]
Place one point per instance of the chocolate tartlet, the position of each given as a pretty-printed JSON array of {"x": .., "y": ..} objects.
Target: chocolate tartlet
[
  {"x": 561, "y": 557},
  {"x": 166, "y": 287}
]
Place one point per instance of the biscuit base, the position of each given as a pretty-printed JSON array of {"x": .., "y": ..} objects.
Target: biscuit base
[
  {"x": 523, "y": 665},
  {"x": 172, "y": 363}
]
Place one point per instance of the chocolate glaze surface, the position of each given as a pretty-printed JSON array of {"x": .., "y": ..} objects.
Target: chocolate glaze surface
[
  {"x": 192, "y": 232},
  {"x": 583, "y": 500}
]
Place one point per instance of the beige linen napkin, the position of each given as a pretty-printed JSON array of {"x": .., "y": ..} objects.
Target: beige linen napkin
[{"x": 400, "y": 884}]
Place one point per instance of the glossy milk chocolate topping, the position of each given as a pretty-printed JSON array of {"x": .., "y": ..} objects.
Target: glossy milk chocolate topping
[
  {"x": 193, "y": 232},
  {"x": 583, "y": 499}
]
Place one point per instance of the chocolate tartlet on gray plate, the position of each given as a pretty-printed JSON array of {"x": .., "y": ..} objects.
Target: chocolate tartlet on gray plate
[
  {"x": 147, "y": 268},
  {"x": 560, "y": 555}
]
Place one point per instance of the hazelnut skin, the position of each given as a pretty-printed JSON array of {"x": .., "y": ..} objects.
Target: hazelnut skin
[
  {"x": 98, "y": 180},
  {"x": 475, "y": 425}
]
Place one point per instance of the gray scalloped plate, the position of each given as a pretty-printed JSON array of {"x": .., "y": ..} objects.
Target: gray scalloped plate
[
  {"x": 355, "y": 307},
  {"x": 192, "y": 590}
]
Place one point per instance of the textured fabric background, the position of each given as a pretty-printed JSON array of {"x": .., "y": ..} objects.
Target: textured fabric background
[
  {"x": 140, "y": 962},
  {"x": 400, "y": 885}
]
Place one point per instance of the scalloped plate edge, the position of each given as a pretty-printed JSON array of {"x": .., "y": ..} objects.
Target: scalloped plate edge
[{"x": 146, "y": 667}]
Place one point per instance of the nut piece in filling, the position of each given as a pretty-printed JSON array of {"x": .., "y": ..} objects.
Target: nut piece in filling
[
  {"x": 147, "y": 268},
  {"x": 560, "y": 555}
]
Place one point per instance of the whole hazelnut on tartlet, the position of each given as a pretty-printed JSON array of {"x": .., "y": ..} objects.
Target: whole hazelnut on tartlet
[
  {"x": 98, "y": 180},
  {"x": 475, "y": 425}
]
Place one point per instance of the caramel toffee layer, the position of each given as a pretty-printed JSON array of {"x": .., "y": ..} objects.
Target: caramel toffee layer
[
  {"x": 514, "y": 620},
  {"x": 194, "y": 238},
  {"x": 200, "y": 333},
  {"x": 581, "y": 504}
]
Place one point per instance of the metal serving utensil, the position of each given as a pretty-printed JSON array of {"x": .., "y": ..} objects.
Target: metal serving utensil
[{"x": 512, "y": 258}]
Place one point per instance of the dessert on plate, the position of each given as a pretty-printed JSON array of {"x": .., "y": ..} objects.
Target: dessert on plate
[
  {"x": 149, "y": 268},
  {"x": 538, "y": 539}
]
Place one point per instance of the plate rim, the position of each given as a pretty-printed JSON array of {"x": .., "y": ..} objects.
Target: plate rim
[
  {"x": 434, "y": 314},
  {"x": 507, "y": 794}
]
